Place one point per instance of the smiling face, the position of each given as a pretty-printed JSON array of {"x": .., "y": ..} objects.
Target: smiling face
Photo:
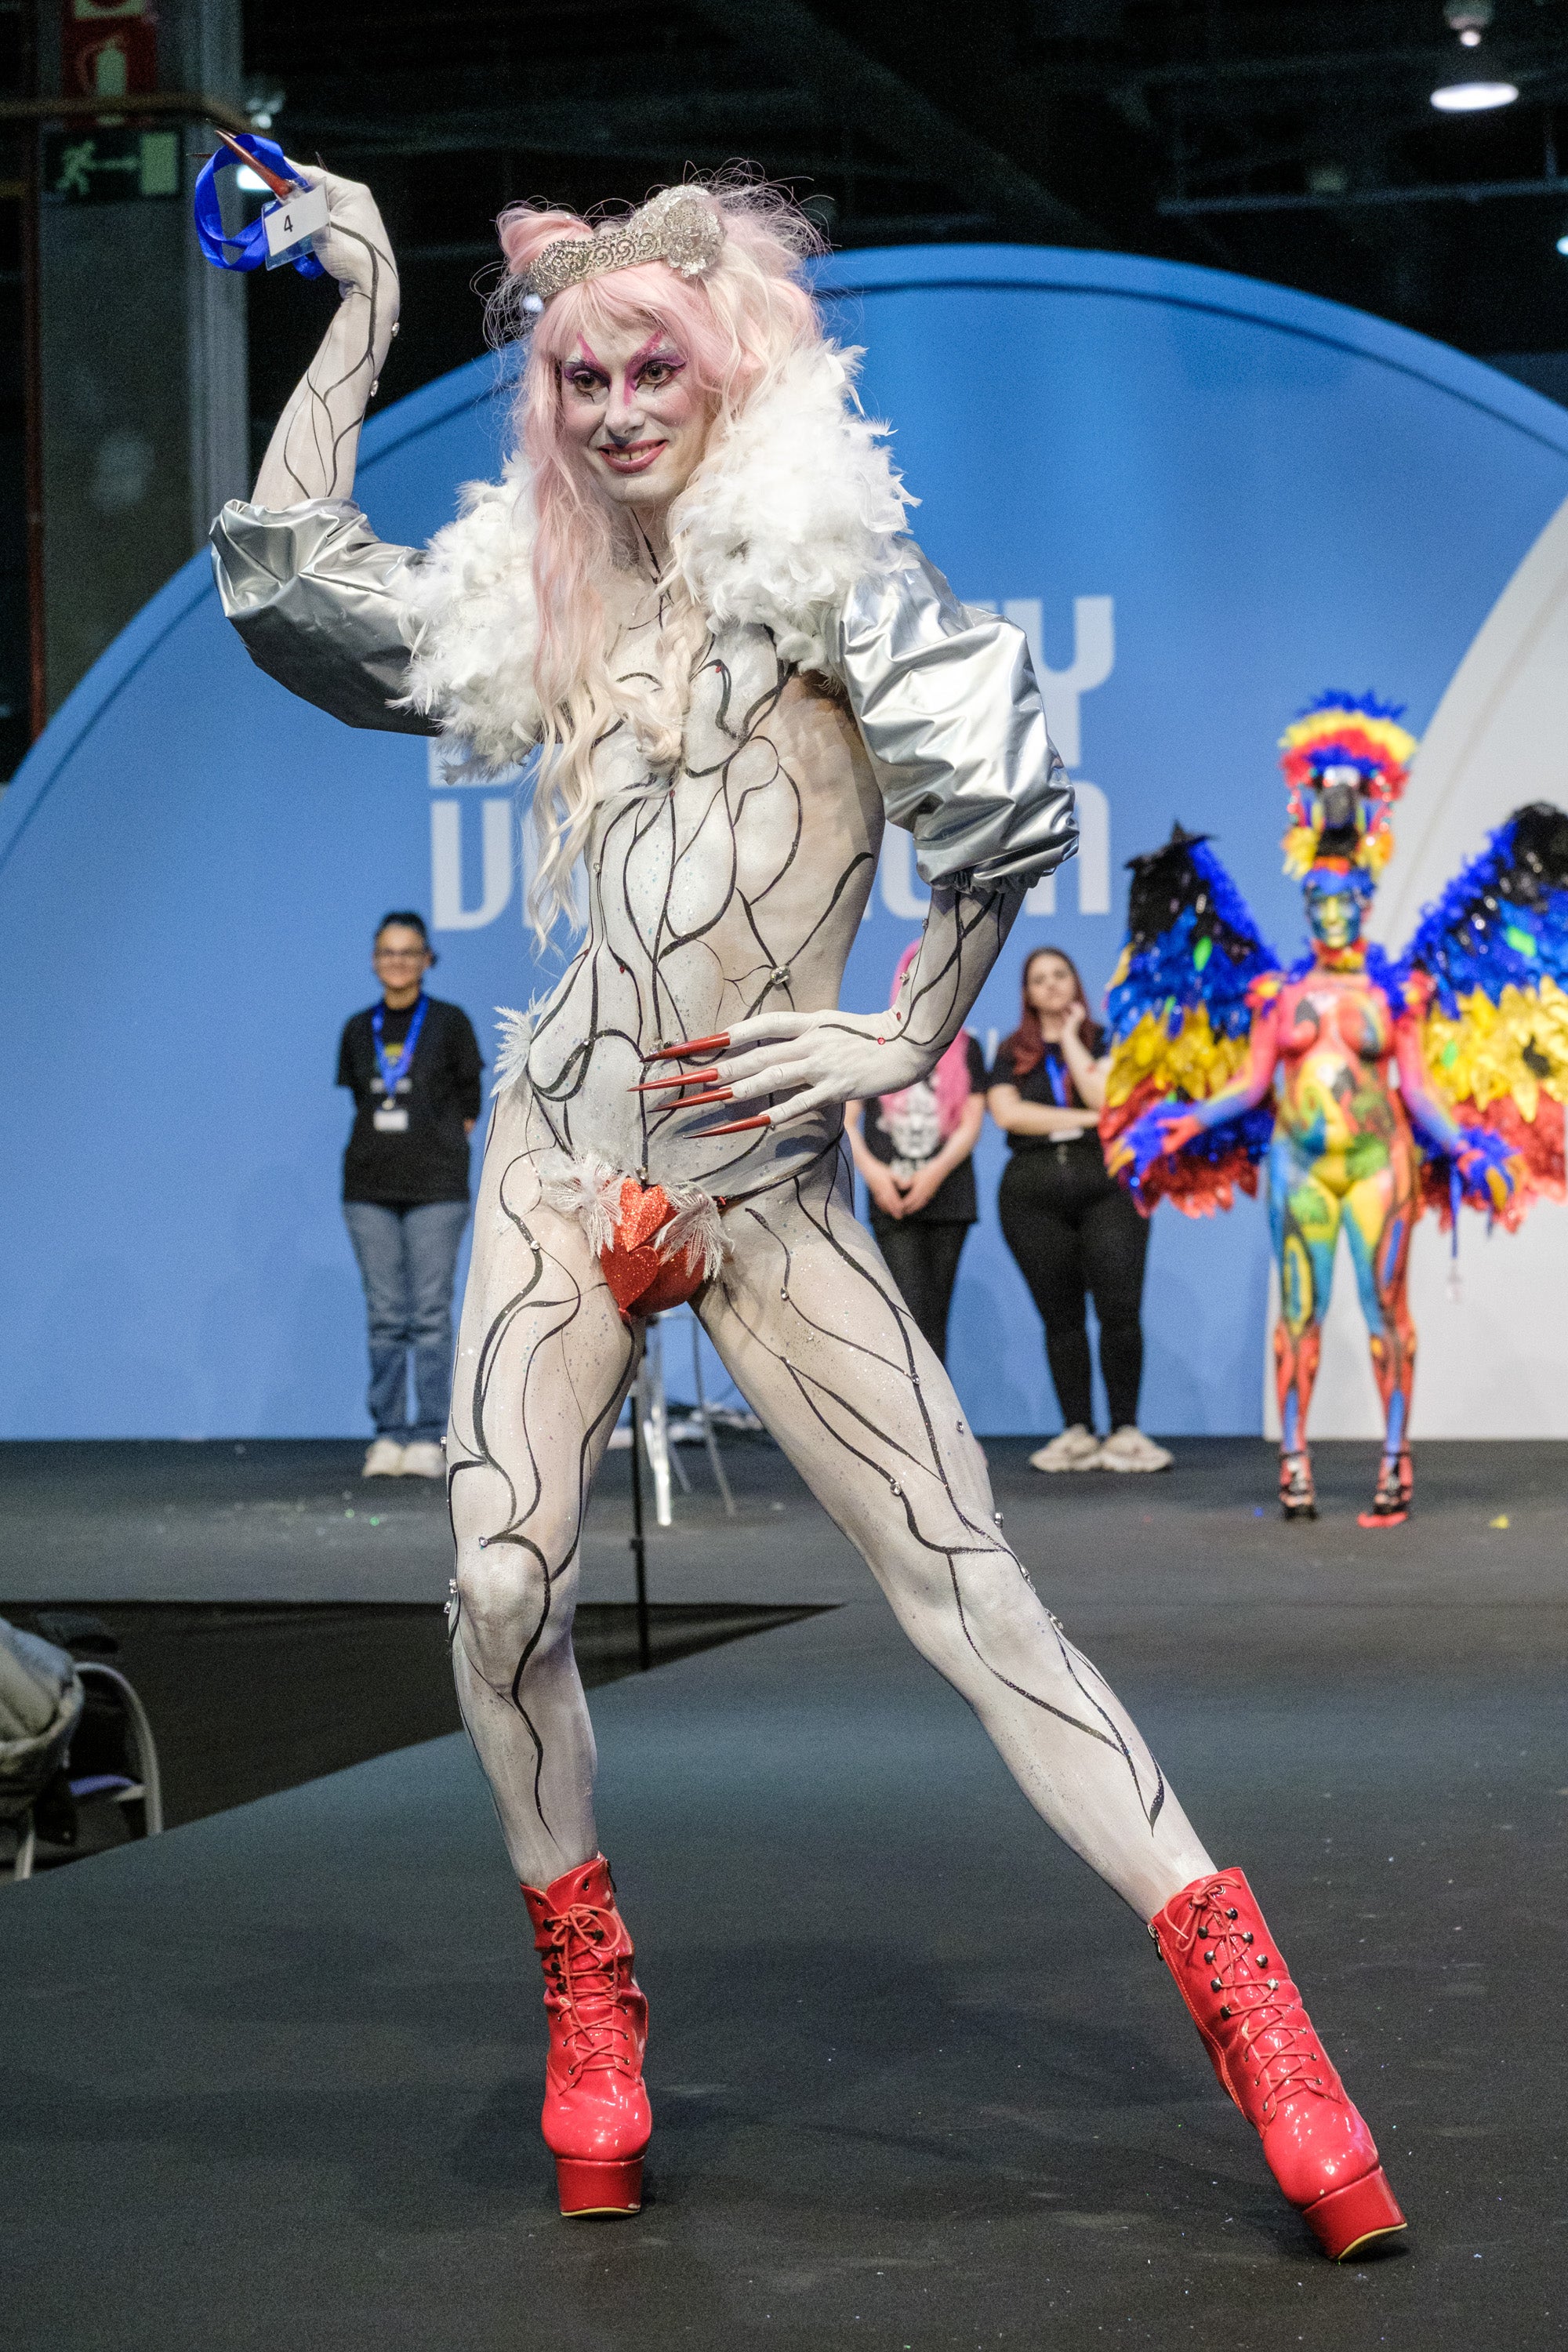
[{"x": 633, "y": 414}]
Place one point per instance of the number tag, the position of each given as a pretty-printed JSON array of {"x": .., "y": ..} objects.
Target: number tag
[
  {"x": 390, "y": 1122},
  {"x": 293, "y": 225}
]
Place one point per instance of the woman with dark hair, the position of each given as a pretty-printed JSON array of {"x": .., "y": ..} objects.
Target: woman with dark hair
[
  {"x": 1071, "y": 1226},
  {"x": 914, "y": 1150},
  {"x": 412, "y": 1064}
]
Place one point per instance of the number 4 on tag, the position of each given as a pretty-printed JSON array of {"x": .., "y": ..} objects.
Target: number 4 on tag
[{"x": 293, "y": 225}]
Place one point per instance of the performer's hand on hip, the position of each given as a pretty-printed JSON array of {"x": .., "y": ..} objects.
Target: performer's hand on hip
[{"x": 811, "y": 1059}]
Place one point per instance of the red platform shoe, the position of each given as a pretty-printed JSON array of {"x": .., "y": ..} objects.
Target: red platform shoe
[
  {"x": 1212, "y": 1939},
  {"x": 596, "y": 2119},
  {"x": 1391, "y": 1497}
]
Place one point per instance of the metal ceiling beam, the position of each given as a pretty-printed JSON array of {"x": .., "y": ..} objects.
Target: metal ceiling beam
[
  {"x": 1517, "y": 59},
  {"x": 868, "y": 96},
  {"x": 1441, "y": 192},
  {"x": 620, "y": 126}
]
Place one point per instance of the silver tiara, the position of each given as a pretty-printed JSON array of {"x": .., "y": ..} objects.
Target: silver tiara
[{"x": 680, "y": 225}]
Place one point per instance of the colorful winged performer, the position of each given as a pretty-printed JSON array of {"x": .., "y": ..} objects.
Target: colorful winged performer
[{"x": 1222, "y": 1060}]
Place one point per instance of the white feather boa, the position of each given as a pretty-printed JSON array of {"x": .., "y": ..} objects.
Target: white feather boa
[{"x": 797, "y": 503}]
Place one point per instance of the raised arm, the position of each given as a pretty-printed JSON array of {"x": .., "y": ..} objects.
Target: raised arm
[
  {"x": 313, "y": 448},
  {"x": 322, "y": 603}
]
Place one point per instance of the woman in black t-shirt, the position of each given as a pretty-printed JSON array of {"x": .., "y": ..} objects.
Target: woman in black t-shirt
[
  {"x": 1072, "y": 1228},
  {"x": 412, "y": 1064},
  {"x": 913, "y": 1149}
]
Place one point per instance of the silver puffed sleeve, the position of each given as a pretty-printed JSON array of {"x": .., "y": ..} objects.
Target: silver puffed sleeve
[
  {"x": 314, "y": 594},
  {"x": 946, "y": 700}
]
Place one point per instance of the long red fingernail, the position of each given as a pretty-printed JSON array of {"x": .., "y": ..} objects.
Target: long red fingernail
[
  {"x": 700, "y": 1102},
  {"x": 737, "y": 1126},
  {"x": 693, "y": 1046},
  {"x": 687, "y": 1078}
]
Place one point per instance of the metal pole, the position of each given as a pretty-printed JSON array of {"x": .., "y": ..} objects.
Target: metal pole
[
  {"x": 32, "y": 391},
  {"x": 639, "y": 1544}
]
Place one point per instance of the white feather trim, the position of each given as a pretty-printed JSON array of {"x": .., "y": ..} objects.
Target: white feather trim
[
  {"x": 515, "y": 1031},
  {"x": 695, "y": 1231},
  {"x": 590, "y": 1190},
  {"x": 795, "y": 506},
  {"x": 475, "y": 629}
]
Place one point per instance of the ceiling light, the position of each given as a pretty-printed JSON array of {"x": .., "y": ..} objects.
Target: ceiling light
[
  {"x": 1473, "y": 96},
  {"x": 251, "y": 181},
  {"x": 1562, "y": 242}
]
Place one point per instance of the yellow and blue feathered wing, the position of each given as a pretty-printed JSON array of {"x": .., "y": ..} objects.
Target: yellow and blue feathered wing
[
  {"x": 1190, "y": 974},
  {"x": 1487, "y": 975}
]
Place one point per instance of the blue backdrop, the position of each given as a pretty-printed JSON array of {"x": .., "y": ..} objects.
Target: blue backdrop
[{"x": 1206, "y": 498}]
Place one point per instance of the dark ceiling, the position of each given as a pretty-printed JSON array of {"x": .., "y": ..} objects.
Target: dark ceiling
[{"x": 1294, "y": 142}]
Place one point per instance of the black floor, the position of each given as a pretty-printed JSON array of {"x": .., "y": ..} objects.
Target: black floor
[
  {"x": 247, "y": 1698},
  {"x": 272, "y": 2080}
]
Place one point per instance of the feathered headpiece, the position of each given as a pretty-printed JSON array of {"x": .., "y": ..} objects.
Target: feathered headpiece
[{"x": 1346, "y": 761}]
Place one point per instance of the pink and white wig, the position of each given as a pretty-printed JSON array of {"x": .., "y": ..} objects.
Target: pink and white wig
[
  {"x": 950, "y": 1079},
  {"x": 737, "y": 329}
]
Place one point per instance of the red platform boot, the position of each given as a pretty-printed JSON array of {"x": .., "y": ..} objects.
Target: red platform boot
[
  {"x": 1212, "y": 1939},
  {"x": 596, "y": 2117}
]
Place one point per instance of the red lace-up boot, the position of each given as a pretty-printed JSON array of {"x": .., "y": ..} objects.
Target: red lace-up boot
[
  {"x": 1212, "y": 1939},
  {"x": 596, "y": 2118}
]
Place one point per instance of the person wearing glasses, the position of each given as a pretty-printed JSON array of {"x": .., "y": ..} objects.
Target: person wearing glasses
[{"x": 412, "y": 1064}]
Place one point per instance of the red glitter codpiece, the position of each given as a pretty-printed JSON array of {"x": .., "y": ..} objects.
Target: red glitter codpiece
[
  {"x": 1537, "y": 1146},
  {"x": 641, "y": 1281}
]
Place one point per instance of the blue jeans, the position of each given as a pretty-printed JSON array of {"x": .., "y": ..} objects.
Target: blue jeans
[{"x": 406, "y": 1261}]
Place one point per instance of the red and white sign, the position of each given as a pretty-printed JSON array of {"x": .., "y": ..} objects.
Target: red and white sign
[{"x": 109, "y": 49}]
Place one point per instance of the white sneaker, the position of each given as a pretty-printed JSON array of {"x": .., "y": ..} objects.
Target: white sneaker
[
  {"x": 1128, "y": 1449},
  {"x": 1076, "y": 1449},
  {"x": 384, "y": 1460},
  {"x": 424, "y": 1459}
]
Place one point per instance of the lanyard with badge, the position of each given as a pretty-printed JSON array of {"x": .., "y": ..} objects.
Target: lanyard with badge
[{"x": 391, "y": 1116}]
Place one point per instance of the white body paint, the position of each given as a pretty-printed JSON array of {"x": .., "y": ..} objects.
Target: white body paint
[{"x": 725, "y": 897}]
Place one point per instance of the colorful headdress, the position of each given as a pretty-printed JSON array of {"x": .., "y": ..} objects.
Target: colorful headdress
[{"x": 1346, "y": 761}]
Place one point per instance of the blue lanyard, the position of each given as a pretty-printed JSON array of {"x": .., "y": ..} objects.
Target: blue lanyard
[
  {"x": 1056, "y": 1079},
  {"x": 390, "y": 1070}
]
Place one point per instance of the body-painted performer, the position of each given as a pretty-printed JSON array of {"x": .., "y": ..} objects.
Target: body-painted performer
[
  {"x": 1297, "y": 1067},
  {"x": 693, "y": 593}
]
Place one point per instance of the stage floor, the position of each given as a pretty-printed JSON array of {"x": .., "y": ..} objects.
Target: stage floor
[{"x": 920, "y": 2080}]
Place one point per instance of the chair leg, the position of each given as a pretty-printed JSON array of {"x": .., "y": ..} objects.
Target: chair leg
[
  {"x": 655, "y": 1429},
  {"x": 706, "y": 1418}
]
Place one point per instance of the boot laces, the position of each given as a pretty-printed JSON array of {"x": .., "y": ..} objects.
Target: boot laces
[
  {"x": 1264, "y": 2011},
  {"x": 583, "y": 1977}
]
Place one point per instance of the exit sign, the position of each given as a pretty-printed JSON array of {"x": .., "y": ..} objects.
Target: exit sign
[{"x": 110, "y": 167}]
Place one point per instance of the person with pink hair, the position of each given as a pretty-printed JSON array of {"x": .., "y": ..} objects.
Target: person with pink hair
[
  {"x": 914, "y": 1151},
  {"x": 690, "y": 602}
]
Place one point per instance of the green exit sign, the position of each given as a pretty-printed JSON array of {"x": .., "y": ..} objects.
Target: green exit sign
[{"x": 108, "y": 167}]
